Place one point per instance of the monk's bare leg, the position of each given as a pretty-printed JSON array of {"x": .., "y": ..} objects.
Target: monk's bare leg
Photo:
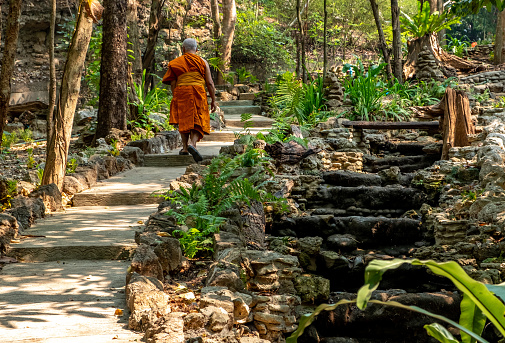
[
  {"x": 185, "y": 139},
  {"x": 194, "y": 137}
]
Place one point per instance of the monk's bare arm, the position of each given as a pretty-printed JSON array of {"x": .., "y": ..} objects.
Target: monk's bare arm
[
  {"x": 173, "y": 84},
  {"x": 210, "y": 87}
]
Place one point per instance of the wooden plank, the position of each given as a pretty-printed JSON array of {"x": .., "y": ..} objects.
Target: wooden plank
[
  {"x": 392, "y": 125},
  {"x": 28, "y": 106}
]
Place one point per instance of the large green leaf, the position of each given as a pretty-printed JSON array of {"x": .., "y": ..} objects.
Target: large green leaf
[
  {"x": 476, "y": 291},
  {"x": 440, "y": 333},
  {"x": 471, "y": 318}
]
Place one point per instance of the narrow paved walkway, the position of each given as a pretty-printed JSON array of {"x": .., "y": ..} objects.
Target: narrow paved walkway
[{"x": 70, "y": 282}]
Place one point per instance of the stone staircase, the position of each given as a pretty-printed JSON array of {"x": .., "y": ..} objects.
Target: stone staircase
[{"x": 71, "y": 278}]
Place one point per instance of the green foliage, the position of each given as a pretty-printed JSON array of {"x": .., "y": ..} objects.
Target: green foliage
[
  {"x": 500, "y": 102},
  {"x": 260, "y": 40},
  {"x": 480, "y": 301},
  {"x": 365, "y": 90},
  {"x": 456, "y": 46},
  {"x": 243, "y": 75},
  {"x": 153, "y": 101},
  {"x": 11, "y": 192},
  {"x": 482, "y": 97},
  {"x": 93, "y": 63},
  {"x": 199, "y": 207},
  {"x": 26, "y": 135},
  {"x": 298, "y": 100},
  {"x": 40, "y": 174},
  {"x": 71, "y": 166},
  {"x": 30, "y": 163},
  {"x": 423, "y": 23},
  {"x": 8, "y": 139},
  {"x": 115, "y": 148}
]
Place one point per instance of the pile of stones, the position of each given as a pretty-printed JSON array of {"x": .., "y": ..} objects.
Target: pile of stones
[
  {"x": 334, "y": 91},
  {"x": 427, "y": 68}
]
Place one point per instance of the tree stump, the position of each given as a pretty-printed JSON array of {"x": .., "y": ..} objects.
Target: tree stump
[
  {"x": 289, "y": 153},
  {"x": 457, "y": 123}
]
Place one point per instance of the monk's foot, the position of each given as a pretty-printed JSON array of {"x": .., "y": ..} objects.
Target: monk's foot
[
  {"x": 182, "y": 152},
  {"x": 196, "y": 155}
]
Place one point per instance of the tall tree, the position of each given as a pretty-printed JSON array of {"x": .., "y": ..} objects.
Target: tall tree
[
  {"x": 113, "y": 69},
  {"x": 325, "y": 41},
  {"x": 11, "y": 42},
  {"x": 382, "y": 40},
  {"x": 499, "y": 58},
  {"x": 216, "y": 27},
  {"x": 397, "y": 41},
  {"x": 52, "y": 72},
  {"x": 57, "y": 147},
  {"x": 134, "y": 58},
  {"x": 154, "y": 28},
  {"x": 228, "y": 28},
  {"x": 302, "y": 39}
]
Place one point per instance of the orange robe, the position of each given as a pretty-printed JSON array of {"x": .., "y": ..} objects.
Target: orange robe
[{"x": 189, "y": 108}]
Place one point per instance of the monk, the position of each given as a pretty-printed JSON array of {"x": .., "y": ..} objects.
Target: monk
[{"x": 187, "y": 76}]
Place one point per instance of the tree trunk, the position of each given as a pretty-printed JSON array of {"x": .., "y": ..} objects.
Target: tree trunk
[
  {"x": 228, "y": 27},
  {"x": 325, "y": 41},
  {"x": 382, "y": 40},
  {"x": 134, "y": 58},
  {"x": 11, "y": 42},
  {"x": 298, "y": 55},
  {"x": 113, "y": 69},
  {"x": 457, "y": 120},
  {"x": 154, "y": 28},
  {"x": 397, "y": 41},
  {"x": 449, "y": 63},
  {"x": 185, "y": 19},
  {"x": 216, "y": 28},
  {"x": 500, "y": 37},
  {"x": 57, "y": 147},
  {"x": 441, "y": 33},
  {"x": 52, "y": 73},
  {"x": 302, "y": 40}
]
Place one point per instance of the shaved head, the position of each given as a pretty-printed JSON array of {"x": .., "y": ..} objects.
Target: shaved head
[{"x": 189, "y": 45}]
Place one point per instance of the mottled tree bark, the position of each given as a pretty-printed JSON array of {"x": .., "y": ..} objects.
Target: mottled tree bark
[
  {"x": 52, "y": 73},
  {"x": 113, "y": 69},
  {"x": 325, "y": 41},
  {"x": 134, "y": 57},
  {"x": 302, "y": 39},
  {"x": 154, "y": 29},
  {"x": 216, "y": 28},
  {"x": 57, "y": 147},
  {"x": 500, "y": 37},
  {"x": 11, "y": 42},
  {"x": 228, "y": 27},
  {"x": 397, "y": 41},
  {"x": 382, "y": 40}
]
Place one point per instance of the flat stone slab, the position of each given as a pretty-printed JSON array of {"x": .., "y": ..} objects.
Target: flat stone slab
[
  {"x": 66, "y": 301},
  {"x": 135, "y": 186},
  {"x": 241, "y": 109},
  {"x": 258, "y": 121},
  {"x": 85, "y": 233},
  {"x": 235, "y": 103}
]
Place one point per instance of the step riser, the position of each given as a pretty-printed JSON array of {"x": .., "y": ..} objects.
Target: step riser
[
  {"x": 219, "y": 137},
  {"x": 170, "y": 160},
  {"x": 240, "y": 124},
  {"x": 234, "y": 103},
  {"x": 48, "y": 254},
  {"x": 241, "y": 109},
  {"x": 114, "y": 199}
]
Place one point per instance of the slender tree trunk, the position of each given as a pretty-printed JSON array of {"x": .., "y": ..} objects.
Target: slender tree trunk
[
  {"x": 298, "y": 56},
  {"x": 11, "y": 42},
  {"x": 325, "y": 41},
  {"x": 57, "y": 147},
  {"x": 113, "y": 69},
  {"x": 441, "y": 34},
  {"x": 52, "y": 73},
  {"x": 302, "y": 39},
  {"x": 134, "y": 58},
  {"x": 228, "y": 27},
  {"x": 397, "y": 41},
  {"x": 382, "y": 40},
  {"x": 500, "y": 37},
  {"x": 1, "y": 23},
  {"x": 216, "y": 27},
  {"x": 154, "y": 28},
  {"x": 185, "y": 19}
]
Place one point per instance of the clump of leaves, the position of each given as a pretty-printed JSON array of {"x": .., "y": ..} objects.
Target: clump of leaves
[
  {"x": 425, "y": 23},
  {"x": 71, "y": 166},
  {"x": 482, "y": 97},
  {"x": 11, "y": 191},
  {"x": 40, "y": 174},
  {"x": 115, "y": 148},
  {"x": 8, "y": 139},
  {"x": 30, "y": 163}
]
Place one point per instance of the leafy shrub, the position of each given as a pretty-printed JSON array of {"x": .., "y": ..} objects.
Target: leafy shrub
[
  {"x": 9, "y": 138},
  {"x": 71, "y": 166},
  {"x": 423, "y": 23},
  {"x": 456, "y": 46}
]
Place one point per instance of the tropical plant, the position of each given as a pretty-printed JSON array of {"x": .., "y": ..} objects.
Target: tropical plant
[
  {"x": 26, "y": 135},
  {"x": 30, "y": 162},
  {"x": 480, "y": 301},
  {"x": 155, "y": 100},
  {"x": 425, "y": 23},
  {"x": 71, "y": 166},
  {"x": 243, "y": 75},
  {"x": 8, "y": 139},
  {"x": 10, "y": 192},
  {"x": 456, "y": 46},
  {"x": 365, "y": 89}
]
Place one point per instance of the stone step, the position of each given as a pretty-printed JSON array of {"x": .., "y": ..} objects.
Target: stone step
[
  {"x": 133, "y": 187},
  {"x": 235, "y": 103},
  {"x": 234, "y": 120},
  {"x": 247, "y": 96},
  {"x": 241, "y": 109},
  {"x": 347, "y": 178},
  {"x": 170, "y": 160},
  {"x": 83, "y": 233},
  {"x": 407, "y": 164},
  {"x": 220, "y": 136},
  {"x": 64, "y": 301}
]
